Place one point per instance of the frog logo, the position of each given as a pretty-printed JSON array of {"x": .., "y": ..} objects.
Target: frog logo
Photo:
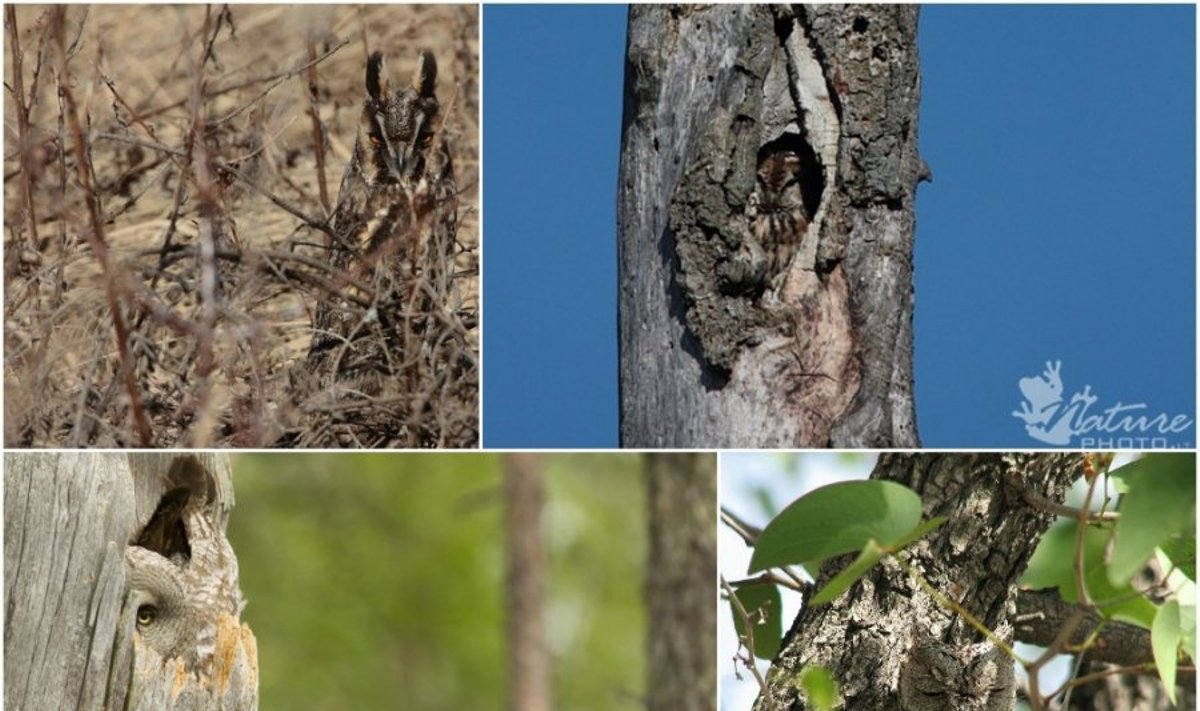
[
  {"x": 1046, "y": 418},
  {"x": 1050, "y": 418}
]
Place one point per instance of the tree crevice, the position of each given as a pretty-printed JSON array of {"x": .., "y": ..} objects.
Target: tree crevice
[{"x": 736, "y": 150}]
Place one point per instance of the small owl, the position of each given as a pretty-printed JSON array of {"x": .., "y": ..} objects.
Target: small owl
[
  {"x": 181, "y": 572},
  {"x": 780, "y": 217},
  {"x": 396, "y": 218},
  {"x": 938, "y": 676}
]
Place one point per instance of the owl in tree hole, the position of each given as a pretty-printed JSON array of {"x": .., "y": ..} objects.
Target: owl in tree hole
[
  {"x": 396, "y": 218},
  {"x": 973, "y": 677},
  {"x": 181, "y": 572},
  {"x": 777, "y": 208}
]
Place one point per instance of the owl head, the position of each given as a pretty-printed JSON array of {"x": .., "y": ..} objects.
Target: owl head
[
  {"x": 778, "y": 170},
  {"x": 970, "y": 677},
  {"x": 397, "y": 126},
  {"x": 166, "y": 616}
]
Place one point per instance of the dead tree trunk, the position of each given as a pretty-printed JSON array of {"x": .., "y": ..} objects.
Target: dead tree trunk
[
  {"x": 765, "y": 206},
  {"x": 682, "y": 495},
  {"x": 69, "y": 638}
]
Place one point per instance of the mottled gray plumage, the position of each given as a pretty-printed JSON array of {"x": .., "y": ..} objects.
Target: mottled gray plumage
[
  {"x": 182, "y": 573},
  {"x": 938, "y": 676}
]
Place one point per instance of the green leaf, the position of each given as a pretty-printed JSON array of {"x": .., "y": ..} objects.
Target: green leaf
[
  {"x": 762, "y": 603},
  {"x": 837, "y": 519},
  {"x": 1160, "y": 504},
  {"x": 1187, "y": 626},
  {"x": 1180, "y": 551},
  {"x": 819, "y": 687},
  {"x": 1165, "y": 634},
  {"x": 1052, "y": 566},
  {"x": 870, "y": 555}
]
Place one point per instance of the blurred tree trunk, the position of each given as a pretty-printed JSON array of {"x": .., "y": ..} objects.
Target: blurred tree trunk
[
  {"x": 529, "y": 659},
  {"x": 716, "y": 349},
  {"x": 68, "y": 637},
  {"x": 680, "y": 570}
]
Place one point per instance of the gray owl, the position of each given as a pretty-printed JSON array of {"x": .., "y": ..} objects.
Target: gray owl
[
  {"x": 182, "y": 573},
  {"x": 396, "y": 216},
  {"x": 940, "y": 677}
]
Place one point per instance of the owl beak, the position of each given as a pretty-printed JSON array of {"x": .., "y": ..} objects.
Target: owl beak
[
  {"x": 397, "y": 165},
  {"x": 405, "y": 158}
]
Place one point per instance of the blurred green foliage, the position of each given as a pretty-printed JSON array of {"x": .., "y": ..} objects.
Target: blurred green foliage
[{"x": 376, "y": 581}]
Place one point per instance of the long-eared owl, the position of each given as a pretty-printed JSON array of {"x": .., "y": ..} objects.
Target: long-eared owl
[{"x": 395, "y": 222}]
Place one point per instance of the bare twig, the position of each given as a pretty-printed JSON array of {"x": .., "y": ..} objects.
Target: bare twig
[
  {"x": 748, "y": 532},
  {"x": 224, "y": 166},
  {"x": 209, "y": 218},
  {"x": 318, "y": 131},
  {"x": 99, "y": 245},
  {"x": 746, "y": 639},
  {"x": 273, "y": 79},
  {"x": 24, "y": 140}
]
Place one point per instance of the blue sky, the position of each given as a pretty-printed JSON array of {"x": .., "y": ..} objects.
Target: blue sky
[{"x": 1060, "y": 224}]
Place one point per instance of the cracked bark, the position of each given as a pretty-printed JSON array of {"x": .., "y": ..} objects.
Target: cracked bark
[{"x": 714, "y": 354}]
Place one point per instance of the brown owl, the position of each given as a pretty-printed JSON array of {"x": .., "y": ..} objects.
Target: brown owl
[
  {"x": 393, "y": 229},
  {"x": 780, "y": 216}
]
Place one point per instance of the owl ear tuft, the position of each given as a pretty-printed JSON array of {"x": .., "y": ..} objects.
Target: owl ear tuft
[
  {"x": 425, "y": 75},
  {"x": 377, "y": 83}
]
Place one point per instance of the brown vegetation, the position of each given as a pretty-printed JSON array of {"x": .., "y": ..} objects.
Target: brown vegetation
[{"x": 170, "y": 173}]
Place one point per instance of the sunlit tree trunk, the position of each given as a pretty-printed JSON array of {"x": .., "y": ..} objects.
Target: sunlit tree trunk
[
  {"x": 718, "y": 348},
  {"x": 997, "y": 507}
]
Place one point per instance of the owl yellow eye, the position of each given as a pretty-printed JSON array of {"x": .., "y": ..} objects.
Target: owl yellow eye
[{"x": 146, "y": 614}]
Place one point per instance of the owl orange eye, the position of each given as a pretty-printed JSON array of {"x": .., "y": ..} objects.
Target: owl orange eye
[{"x": 146, "y": 614}]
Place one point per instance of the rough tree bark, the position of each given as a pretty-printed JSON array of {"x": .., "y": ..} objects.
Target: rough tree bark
[
  {"x": 68, "y": 637},
  {"x": 718, "y": 347},
  {"x": 976, "y": 559},
  {"x": 682, "y": 496}
]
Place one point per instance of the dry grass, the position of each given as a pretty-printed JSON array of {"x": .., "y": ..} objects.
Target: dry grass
[{"x": 166, "y": 202}]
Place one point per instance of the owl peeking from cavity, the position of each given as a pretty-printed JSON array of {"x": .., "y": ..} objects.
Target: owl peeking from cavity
[
  {"x": 181, "y": 572},
  {"x": 777, "y": 208}
]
